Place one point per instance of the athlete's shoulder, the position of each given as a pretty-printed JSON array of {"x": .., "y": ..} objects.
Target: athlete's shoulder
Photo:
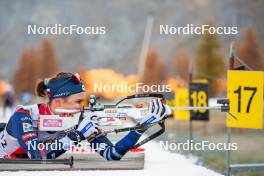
[
  {"x": 29, "y": 110},
  {"x": 21, "y": 115},
  {"x": 20, "y": 118},
  {"x": 24, "y": 113}
]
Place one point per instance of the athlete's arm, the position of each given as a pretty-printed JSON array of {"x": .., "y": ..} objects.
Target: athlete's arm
[
  {"x": 20, "y": 127},
  {"x": 157, "y": 111},
  {"x": 106, "y": 149}
]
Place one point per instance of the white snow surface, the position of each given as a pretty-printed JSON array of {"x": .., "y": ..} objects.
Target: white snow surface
[{"x": 157, "y": 163}]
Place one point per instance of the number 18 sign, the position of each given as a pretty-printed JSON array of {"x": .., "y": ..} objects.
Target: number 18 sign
[{"x": 245, "y": 94}]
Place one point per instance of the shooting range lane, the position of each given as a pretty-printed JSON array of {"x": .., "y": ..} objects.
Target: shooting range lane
[
  {"x": 149, "y": 162},
  {"x": 87, "y": 160},
  {"x": 154, "y": 164}
]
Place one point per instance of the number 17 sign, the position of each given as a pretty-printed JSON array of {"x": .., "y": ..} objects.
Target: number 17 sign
[{"x": 245, "y": 94}]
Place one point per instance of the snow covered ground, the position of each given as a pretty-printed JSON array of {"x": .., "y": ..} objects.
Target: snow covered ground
[{"x": 157, "y": 163}]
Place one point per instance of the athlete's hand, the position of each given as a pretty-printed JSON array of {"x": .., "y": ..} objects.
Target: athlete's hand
[
  {"x": 87, "y": 128},
  {"x": 156, "y": 112}
]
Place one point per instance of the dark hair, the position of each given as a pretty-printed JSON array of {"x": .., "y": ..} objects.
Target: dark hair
[{"x": 41, "y": 87}]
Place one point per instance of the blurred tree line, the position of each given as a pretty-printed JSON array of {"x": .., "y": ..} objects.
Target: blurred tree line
[
  {"x": 155, "y": 69},
  {"x": 208, "y": 63},
  {"x": 35, "y": 64},
  {"x": 249, "y": 50}
]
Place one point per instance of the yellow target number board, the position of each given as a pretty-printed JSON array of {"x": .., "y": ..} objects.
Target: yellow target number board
[
  {"x": 182, "y": 99},
  {"x": 245, "y": 94}
]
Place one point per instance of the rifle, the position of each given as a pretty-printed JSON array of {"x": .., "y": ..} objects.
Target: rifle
[
  {"x": 114, "y": 110},
  {"x": 101, "y": 110}
]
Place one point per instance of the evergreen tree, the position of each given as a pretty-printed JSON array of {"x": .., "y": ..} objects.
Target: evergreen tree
[{"x": 209, "y": 62}]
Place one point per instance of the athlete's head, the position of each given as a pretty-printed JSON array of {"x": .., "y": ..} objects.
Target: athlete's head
[{"x": 65, "y": 91}]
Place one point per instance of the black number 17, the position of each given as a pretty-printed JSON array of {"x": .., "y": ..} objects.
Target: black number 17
[{"x": 238, "y": 91}]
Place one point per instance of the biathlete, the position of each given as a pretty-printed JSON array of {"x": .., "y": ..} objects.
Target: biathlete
[{"x": 65, "y": 91}]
